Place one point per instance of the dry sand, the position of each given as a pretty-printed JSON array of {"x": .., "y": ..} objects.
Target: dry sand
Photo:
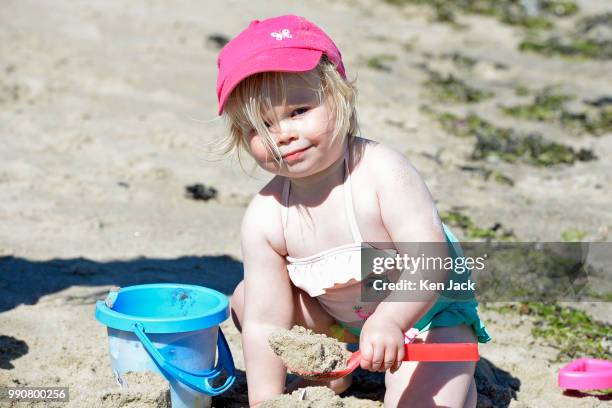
[
  {"x": 304, "y": 351},
  {"x": 105, "y": 109}
]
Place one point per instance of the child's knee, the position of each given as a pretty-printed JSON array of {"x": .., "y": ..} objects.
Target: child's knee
[
  {"x": 237, "y": 305},
  {"x": 472, "y": 397}
]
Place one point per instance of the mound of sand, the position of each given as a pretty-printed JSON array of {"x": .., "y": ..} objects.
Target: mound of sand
[
  {"x": 304, "y": 351},
  {"x": 139, "y": 390},
  {"x": 317, "y": 397}
]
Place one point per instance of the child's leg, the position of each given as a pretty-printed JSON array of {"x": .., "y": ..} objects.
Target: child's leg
[
  {"x": 435, "y": 384},
  {"x": 308, "y": 313}
]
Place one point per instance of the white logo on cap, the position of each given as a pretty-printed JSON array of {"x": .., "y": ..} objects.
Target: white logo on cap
[{"x": 284, "y": 33}]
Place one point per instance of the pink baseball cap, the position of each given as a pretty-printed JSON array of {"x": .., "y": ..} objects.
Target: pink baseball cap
[{"x": 283, "y": 44}]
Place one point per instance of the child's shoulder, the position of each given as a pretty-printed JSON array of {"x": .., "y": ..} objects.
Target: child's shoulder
[
  {"x": 400, "y": 193},
  {"x": 262, "y": 216},
  {"x": 381, "y": 163}
]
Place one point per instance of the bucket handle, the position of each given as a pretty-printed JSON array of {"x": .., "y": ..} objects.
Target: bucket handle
[{"x": 198, "y": 381}]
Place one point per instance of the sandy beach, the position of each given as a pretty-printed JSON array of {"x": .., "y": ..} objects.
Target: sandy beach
[{"x": 108, "y": 112}]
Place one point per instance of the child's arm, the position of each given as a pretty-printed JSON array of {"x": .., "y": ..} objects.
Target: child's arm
[
  {"x": 268, "y": 302},
  {"x": 409, "y": 215}
]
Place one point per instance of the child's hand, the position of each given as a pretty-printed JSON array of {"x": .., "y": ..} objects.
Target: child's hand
[{"x": 381, "y": 344}]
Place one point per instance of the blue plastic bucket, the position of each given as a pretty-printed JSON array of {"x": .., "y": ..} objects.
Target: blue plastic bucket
[{"x": 173, "y": 330}]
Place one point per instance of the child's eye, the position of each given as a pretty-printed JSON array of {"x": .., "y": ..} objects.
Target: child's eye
[{"x": 299, "y": 111}]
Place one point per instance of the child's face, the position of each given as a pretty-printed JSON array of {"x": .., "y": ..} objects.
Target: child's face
[{"x": 302, "y": 128}]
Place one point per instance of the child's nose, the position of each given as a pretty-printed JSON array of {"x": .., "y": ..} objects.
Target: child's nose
[{"x": 286, "y": 135}]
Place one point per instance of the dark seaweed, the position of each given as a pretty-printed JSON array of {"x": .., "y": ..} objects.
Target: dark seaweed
[{"x": 200, "y": 192}]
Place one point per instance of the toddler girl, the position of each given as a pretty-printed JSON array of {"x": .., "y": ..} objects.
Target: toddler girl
[{"x": 283, "y": 89}]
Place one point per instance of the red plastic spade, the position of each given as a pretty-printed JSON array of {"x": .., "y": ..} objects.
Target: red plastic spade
[{"x": 416, "y": 351}]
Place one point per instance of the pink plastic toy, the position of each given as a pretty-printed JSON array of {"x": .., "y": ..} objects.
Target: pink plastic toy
[{"x": 586, "y": 374}]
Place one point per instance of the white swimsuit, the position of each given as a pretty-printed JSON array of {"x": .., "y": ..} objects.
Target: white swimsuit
[{"x": 333, "y": 276}]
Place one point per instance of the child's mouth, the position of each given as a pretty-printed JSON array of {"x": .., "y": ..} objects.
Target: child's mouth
[{"x": 295, "y": 155}]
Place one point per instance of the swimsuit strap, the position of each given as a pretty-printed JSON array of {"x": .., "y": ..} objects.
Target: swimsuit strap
[
  {"x": 348, "y": 202},
  {"x": 285, "y": 202}
]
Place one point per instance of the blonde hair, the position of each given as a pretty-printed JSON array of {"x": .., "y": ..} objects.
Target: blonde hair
[{"x": 247, "y": 103}]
